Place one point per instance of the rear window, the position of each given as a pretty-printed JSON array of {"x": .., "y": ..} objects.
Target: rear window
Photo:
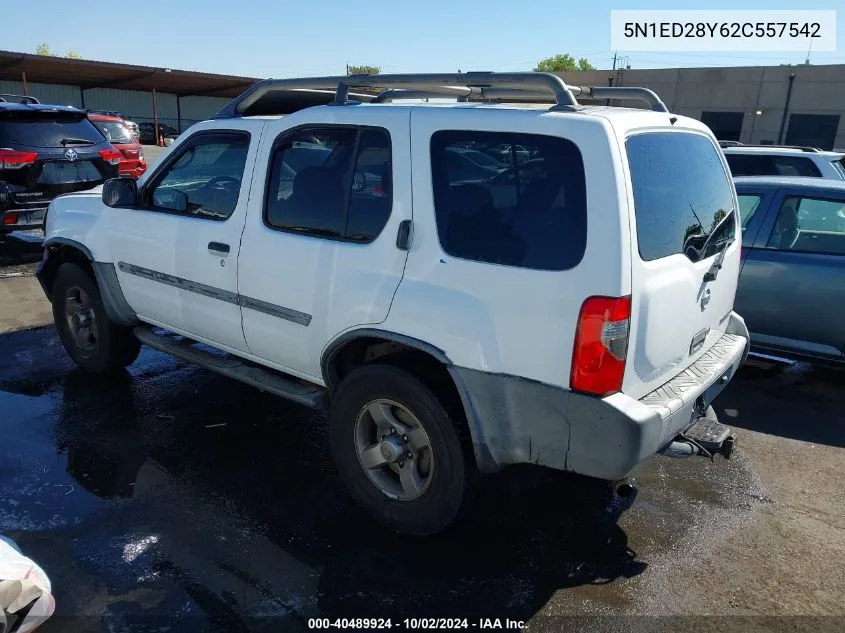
[
  {"x": 45, "y": 131},
  {"x": 681, "y": 194},
  {"x": 114, "y": 131},
  {"x": 510, "y": 199},
  {"x": 766, "y": 165}
]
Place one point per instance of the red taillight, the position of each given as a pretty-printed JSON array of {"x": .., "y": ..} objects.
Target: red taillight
[
  {"x": 10, "y": 218},
  {"x": 10, "y": 159},
  {"x": 110, "y": 155},
  {"x": 601, "y": 345}
]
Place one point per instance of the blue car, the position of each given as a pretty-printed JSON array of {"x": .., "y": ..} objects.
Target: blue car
[{"x": 792, "y": 281}]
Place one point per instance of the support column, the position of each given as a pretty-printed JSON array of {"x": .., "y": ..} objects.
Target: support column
[{"x": 155, "y": 116}]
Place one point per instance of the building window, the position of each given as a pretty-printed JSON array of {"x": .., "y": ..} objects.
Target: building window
[
  {"x": 813, "y": 130},
  {"x": 726, "y": 126}
]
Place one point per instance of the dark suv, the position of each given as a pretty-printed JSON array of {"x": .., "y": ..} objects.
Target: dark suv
[{"x": 45, "y": 151}]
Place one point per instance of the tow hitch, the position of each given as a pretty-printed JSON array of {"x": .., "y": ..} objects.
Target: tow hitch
[{"x": 705, "y": 437}]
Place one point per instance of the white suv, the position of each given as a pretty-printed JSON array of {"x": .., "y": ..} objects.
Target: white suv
[
  {"x": 569, "y": 306},
  {"x": 779, "y": 160}
]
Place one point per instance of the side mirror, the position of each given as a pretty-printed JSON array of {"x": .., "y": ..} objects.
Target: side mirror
[
  {"x": 180, "y": 201},
  {"x": 120, "y": 192}
]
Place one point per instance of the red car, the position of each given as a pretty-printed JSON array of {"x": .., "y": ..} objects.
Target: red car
[{"x": 132, "y": 161}]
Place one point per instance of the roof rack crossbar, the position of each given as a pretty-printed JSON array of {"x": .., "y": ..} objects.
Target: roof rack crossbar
[
  {"x": 539, "y": 82},
  {"x": 802, "y": 148},
  {"x": 621, "y": 92},
  {"x": 519, "y": 86},
  {"x": 25, "y": 99}
]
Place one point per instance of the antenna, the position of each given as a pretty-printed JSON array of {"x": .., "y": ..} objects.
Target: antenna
[{"x": 809, "y": 50}]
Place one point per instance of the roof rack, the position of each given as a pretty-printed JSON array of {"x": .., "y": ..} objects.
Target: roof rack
[
  {"x": 25, "y": 99},
  {"x": 484, "y": 86},
  {"x": 803, "y": 148}
]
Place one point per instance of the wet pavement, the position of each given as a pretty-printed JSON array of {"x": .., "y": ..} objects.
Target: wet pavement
[
  {"x": 172, "y": 497},
  {"x": 19, "y": 252}
]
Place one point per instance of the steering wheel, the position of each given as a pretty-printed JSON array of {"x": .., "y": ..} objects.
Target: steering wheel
[{"x": 219, "y": 180}]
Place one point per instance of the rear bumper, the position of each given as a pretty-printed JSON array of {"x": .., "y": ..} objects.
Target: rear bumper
[
  {"x": 513, "y": 420},
  {"x": 133, "y": 170},
  {"x": 22, "y": 219}
]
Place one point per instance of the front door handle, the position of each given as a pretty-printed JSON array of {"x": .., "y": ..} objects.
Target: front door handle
[{"x": 218, "y": 248}]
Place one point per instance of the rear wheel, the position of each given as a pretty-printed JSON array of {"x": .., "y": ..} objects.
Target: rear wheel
[
  {"x": 397, "y": 450},
  {"x": 90, "y": 339}
]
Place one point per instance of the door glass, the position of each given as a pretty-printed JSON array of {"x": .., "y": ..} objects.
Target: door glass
[
  {"x": 309, "y": 179},
  {"x": 748, "y": 204},
  {"x": 205, "y": 180},
  {"x": 813, "y": 225},
  {"x": 371, "y": 196},
  {"x": 510, "y": 198}
]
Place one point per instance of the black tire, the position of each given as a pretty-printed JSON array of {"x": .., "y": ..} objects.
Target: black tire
[
  {"x": 114, "y": 347},
  {"x": 440, "y": 503}
]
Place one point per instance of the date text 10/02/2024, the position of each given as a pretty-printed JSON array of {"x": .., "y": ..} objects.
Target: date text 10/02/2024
[{"x": 353, "y": 624}]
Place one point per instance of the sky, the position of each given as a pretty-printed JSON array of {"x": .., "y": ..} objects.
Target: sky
[{"x": 288, "y": 39}]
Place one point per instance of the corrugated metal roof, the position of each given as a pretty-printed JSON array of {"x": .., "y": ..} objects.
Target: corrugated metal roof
[{"x": 93, "y": 74}]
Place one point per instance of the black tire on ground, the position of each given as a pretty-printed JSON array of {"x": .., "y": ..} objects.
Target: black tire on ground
[
  {"x": 113, "y": 348},
  {"x": 440, "y": 503}
]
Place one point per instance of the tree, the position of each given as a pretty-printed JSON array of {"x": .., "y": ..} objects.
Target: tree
[
  {"x": 564, "y": 62},
  {"x": 73, "y": 55},
  {"x": 44, "y": 49},
  {"x": 363, "y": 70}
]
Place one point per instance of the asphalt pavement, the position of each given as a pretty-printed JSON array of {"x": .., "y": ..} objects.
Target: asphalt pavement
[{"x": 173, "y": 499}]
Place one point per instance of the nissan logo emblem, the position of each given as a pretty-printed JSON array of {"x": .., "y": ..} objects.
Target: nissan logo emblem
[{"x": 71, "y": 154}]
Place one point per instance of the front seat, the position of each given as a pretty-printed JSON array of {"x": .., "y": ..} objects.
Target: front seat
[{"x": 786, "y": 230}]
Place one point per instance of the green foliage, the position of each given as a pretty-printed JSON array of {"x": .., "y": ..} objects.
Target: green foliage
[
  {"x": 44, "y": 49},
  {"x": 561, "y": 63},
  {"x": 364, "y": 70}
]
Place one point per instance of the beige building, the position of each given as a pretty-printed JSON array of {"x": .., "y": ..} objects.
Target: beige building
[{"x": 747, "y": 104}]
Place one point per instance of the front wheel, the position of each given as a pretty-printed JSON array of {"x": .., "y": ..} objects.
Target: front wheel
[
  {"x": 397, "y": 450},
  {"x": 90, "y": 339}
]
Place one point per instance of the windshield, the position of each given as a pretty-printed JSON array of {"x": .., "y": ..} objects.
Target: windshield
[
  {"x": 114, "y": 131},
  {"x": 683, "y": 198},
  {"x": 46, "y": 131},
  {"x": 839, "y": 166}
]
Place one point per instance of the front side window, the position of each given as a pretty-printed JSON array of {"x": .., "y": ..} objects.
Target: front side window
[
  {"x": 205, "y": 179},
  {"x": 813, "y": 225},
  {"x": 510, "y": 199},
  {"x": 683, "y": 199},
  {"x": 331, "y": 182},
  {"x": 748, "y": 204}
]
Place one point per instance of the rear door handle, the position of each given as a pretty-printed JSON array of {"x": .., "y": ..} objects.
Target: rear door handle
[{"x": 218, "y": 248}]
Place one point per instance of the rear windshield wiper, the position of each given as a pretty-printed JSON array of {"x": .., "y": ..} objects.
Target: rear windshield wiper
[{"x": 76, "y": 141}]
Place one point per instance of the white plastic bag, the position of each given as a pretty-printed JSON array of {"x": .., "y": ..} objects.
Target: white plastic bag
[{"x": 22, "y": 583}]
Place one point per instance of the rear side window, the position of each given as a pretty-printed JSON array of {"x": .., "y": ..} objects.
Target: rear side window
[
  {"x": 40, "y": 130},
  {"x": 510, "y": 199},
  {"x": 332, "y": 182},
  {"x": 763, "y": 165},
  {"x": 682, "y": 195}
]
